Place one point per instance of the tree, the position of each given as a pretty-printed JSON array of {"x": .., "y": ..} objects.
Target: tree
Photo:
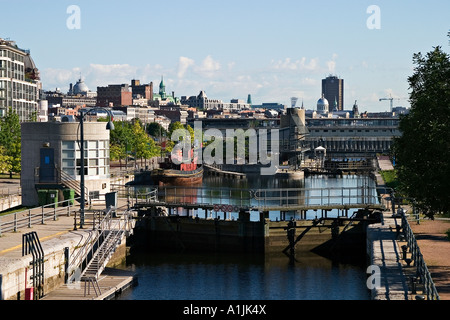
[
  {"x": 10, "y": 140},
  {"x": 5, "y": 161},
  {"x": 120, "y": 141},
  {"x": 156, "y": 130},
  {"x": 423, "y": 151}
]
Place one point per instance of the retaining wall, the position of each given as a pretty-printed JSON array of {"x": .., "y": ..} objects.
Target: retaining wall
[{"x": 16, "y": 272}]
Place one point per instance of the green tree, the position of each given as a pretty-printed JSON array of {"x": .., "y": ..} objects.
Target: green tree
[
  {"x": 143, "y": 145},
  {"x": 10, "y": 140},
  {"x": 120, "y": 141},
  {"x": 423, "y": 151},
  {"x": 5, "y": 161},
  {"x": 156, "y": 130}
]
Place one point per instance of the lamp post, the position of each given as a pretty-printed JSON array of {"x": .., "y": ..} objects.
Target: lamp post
[{"x": 109, "y": 126}]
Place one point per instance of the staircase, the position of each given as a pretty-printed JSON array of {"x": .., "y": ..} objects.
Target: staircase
[
  {"x": 90, "y": 259},
  {"x": 102, "y": 255},
  {"x": 68, "y": 181}
]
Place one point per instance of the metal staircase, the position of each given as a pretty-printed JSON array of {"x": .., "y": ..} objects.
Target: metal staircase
[
  {"x": 91, "y": 258},
  {"x": 112, "y": 238},
  {"x": 68, "y": 181}
]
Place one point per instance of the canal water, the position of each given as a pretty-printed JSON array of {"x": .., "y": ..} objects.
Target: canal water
[{"x": 196, "y": 276}]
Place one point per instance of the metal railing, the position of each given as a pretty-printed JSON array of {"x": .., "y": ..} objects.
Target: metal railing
[
  {"x": 259, "y": 199},
  {"x": 25, "y": 219},
  {"x": 315, "y": 197},
  {"x": 422, "y": 272},
  {"x": 107, "y": 231},
  {"x": 31, "y": 244}
]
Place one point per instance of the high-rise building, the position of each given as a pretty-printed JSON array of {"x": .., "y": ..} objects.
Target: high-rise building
[
  {"x": 19, "y": 81},
  {"x": 333, "y": 91}
]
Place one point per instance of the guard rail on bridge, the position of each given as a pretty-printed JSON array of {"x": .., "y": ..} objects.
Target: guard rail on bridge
[{"x": 257, "y": 200}]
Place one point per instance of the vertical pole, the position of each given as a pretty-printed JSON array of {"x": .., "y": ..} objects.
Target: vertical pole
[
  {"x": 29, "y": 218},
  {"x": 82, "y": 200}
]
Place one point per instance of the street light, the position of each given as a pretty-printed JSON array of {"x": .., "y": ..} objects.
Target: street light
[{"x": 109, "y": 126}]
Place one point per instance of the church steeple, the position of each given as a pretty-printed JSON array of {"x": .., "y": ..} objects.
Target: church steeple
[{"x": 162, "y": 88}]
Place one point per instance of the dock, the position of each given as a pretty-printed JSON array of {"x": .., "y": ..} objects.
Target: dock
[
  {"x": 111, "y": 283},
  {"x": 56, "y": 233}
]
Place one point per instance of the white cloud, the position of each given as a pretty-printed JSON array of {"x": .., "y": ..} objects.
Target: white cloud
[
  {"x": 309, "y": 81},
  {"x": 208, "y": 67},
  {"x": 300, "y": 65},
  {"x": 183, "y": 64},
  {"x": 332, "y": 63}
]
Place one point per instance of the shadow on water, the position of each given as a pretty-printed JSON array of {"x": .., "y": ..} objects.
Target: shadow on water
[
  {"x": 313, "y": 275},
  {"x": 191, "y": 276}
]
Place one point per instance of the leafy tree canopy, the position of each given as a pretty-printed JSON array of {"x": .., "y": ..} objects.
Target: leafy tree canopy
[{"x": 423, "y": 151}]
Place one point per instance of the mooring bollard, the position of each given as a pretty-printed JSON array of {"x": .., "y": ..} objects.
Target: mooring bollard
[{"x": 404, "y": 249}]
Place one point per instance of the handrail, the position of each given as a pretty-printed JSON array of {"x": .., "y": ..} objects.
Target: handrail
[
  {"x": 69, "y": 181},
  {"x": 108, "y": 231},
  {"x": 422, "y": 271},
  {"x": 261, "y": 198},
  {"x": 26, "y": 218}
]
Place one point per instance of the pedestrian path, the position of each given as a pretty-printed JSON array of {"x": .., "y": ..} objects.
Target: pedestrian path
[
  {"x": 384, "y": 163},
  {"x": 65, "y": 229},
  {"x": 385, "y": 254}
]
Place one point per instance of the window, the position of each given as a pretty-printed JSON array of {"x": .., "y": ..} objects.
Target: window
[{"x": 96, "y": 158}]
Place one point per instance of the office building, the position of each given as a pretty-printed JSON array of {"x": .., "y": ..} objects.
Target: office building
[
  {"x": 19, "y": 81},
  {"x": 114, "y": 95},
  {"x": 333, "y": 91}
]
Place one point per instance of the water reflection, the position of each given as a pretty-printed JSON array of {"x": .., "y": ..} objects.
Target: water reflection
[{"x": 195, "y": 276}]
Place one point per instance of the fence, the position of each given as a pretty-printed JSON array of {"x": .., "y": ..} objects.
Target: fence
[
  {"x": 422, "y": 272},
  {"x": 261, "y": 199},
  {"x": 27, "y": 218}
]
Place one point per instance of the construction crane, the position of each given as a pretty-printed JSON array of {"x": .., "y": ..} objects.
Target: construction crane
[{"x": 391, "y": 99}]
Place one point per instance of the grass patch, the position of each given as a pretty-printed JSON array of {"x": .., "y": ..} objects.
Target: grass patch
[
  {"x": 15, "y": 209},
  {"x": 390, "y": 178},
  {"x": 6, "y": 176}
]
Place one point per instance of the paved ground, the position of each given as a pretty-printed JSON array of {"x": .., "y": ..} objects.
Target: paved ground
[
  {"x": 435, "y": 248},
  {"x": 385, "y": 163}
]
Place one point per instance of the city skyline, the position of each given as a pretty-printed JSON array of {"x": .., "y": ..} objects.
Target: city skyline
[{"x": 273, "y": 51}]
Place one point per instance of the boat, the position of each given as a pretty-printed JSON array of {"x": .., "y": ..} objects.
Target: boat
[{"x": 171, "y": 173}]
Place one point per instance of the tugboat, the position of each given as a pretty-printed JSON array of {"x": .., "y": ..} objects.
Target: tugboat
[{"x": 170, "y": 173}]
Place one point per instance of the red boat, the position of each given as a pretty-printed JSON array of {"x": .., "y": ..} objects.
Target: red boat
[{"x": 170, "y": 173}]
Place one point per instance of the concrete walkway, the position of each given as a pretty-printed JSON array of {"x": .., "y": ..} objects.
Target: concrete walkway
[
  {"x": 385, "y": 253},
  {"x": 384, "y": 163},
  {"x": 52, "y": 234}
]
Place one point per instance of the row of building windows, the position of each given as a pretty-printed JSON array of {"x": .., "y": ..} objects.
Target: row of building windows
[
  {"x": 96, "y": 158},
  {"x": 10, "y": 69},
  {"x": 12, "y": 55},
  {"x": 358, "y": 130}
]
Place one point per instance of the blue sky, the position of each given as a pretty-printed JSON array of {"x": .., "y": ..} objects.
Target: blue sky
[{"x": 273, "y": 50}]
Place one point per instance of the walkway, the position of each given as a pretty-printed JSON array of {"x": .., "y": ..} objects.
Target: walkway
[
  {"x": 51, "y": 235},
  {"x": 434, "y": 245},
  {"x": 385, "y": 163},
  {"x": 386, "y": 254}
]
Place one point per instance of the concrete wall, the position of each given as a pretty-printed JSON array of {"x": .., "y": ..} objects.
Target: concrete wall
[
  {"x": 36, "y": 134},
  {"x": 10, "y": 201},
  {"x": 168, "y": 233},
  {"x": 16, "y": 272}
]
